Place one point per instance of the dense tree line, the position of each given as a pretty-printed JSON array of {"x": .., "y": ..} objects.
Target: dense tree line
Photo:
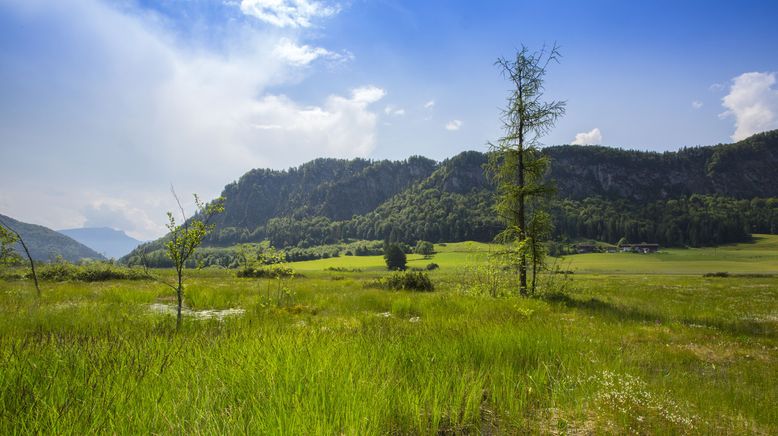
[
  {"x": 694, "y": 221},
  {"x": 431, "y": 215}
]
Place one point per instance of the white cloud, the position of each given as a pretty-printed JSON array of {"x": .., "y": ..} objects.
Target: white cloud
[
  {"x": 429, "y": 105},
  {"x": 342, "y": 127},
  {"x": 367, "y": 94},
  {"x": 696, "y": 104},
  {"x": 394, "y": 110},
  {"x": 129, "y": 109},
  {"x": 592, "y": 137},
  {"x": 287, "y": 13},
  {"x": 302, "y": 55},
  {"x": 753, "y": 102},
  {"x": 454, "y": 125}
]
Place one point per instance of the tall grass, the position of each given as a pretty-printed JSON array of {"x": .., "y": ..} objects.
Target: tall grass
[{"x": 615, "y": 354}]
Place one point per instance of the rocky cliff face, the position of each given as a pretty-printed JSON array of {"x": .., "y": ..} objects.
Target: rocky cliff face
[
  {"x": 334, "y": 188},
  {"x": 743, "y": 170}
]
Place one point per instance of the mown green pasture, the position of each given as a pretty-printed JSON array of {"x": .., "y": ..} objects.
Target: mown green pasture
[{"x": 628, "y": 343}]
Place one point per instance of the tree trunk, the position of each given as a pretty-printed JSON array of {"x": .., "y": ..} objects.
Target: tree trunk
[
  {"x": 534, "y": 266},
  {"x": 522, "y": 221},
  {"x": 179, "y": 295},
  {"x": 32, "y": 267}
]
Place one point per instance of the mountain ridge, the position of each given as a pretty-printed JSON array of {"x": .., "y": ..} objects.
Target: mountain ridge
[
  {"x": 327, "y": 200},
  {"x": 46, "y": 244}
]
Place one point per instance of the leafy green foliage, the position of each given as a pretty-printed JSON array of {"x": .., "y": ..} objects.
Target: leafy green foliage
[
  {"x": 267, "y": 271},
  {"x": 425, "y": 248},
  {"x": 8, "y": 256},
  {"x": 395, "y": 257},
  {"x": 96, "y": 271},
  {"x": 409, "y": 281},
  {"x": 184, "y": 238}
]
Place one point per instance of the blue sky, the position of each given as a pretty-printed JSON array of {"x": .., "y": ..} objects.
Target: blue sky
[{"x": 107, "y": 102}]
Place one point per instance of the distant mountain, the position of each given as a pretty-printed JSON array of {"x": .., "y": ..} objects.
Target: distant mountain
[
  {"x": 695, "y": 196},
  {"x": 104, "y": 240},
  {"x": 46, "y": 244}
]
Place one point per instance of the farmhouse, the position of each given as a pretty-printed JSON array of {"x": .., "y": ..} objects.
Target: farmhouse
[{"x": 639, "y": 248}]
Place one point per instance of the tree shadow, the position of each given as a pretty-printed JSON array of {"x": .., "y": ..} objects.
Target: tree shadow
[{"x": 614, "y": 312}]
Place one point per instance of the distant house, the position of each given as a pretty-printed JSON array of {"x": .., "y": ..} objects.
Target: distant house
[
  {"x": 639, "y": 248},
  {"x": 584, "y": 248}
]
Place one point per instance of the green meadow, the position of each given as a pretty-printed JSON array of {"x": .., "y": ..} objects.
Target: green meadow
[{"x": 627, "y": 343}]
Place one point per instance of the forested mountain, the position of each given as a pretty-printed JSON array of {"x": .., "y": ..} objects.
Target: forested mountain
[
  {"x": 745, "y": 169},
  {"x": 106, "y": 241},
  {"x": 695, "y": 196},
  {"x": 46, "y": 244}
]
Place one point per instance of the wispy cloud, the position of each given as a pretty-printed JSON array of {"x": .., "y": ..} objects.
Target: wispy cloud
[
  {"x": 592, "y": 137},
  {"x": 302, "y": 55},
  {"x": 429, "y": 105},
  {"x": 394, "y": 110},
  {"x": 288, "y": 13},
  {"x": 454, "y": 125},
  {"x": 696, "y": 104},
  {"x": 153, "y": 111},
  {"x": 753, "y": 102}
]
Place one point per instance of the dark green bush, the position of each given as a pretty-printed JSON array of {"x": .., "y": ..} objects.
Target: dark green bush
[
  {"x": 432, "y": 266},
  {"x": 716, "y": 274},
  {"x": 394, "y": 257},
  {"x": 409, "y": 281}
]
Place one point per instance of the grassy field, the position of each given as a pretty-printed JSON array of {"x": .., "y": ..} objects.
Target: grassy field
[{"x": 634, "y": 343}]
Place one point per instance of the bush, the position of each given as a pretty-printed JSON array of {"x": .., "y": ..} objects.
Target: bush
[
  {"x": 61, "y": 271},
  {"x": 424, "y": 248},
  {"x": 432, "y": 266},
  {"x": 271, "y": 272},
  {"x": 410, "y": 281},
  {"x": 716, "y": 274},
  {"x": 395, "y": 257},
  {"x": 342, "y": 269}
]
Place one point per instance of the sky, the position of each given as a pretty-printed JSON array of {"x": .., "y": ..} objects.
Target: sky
[{"x": 107, "y": 103}]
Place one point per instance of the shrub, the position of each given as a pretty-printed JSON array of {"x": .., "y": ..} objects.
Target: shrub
[
  {"x": 716, "y": 274},
  {"x": 394, "y": 257},
  {"x": 270, "y": 272},
  {"x": 410, "y": 281},
  {"x": 432, "y": 266},
  {"x": 342, "y": 269},
  {"x": 424, "y": 248},
  {"x": 61, "y": 271}
]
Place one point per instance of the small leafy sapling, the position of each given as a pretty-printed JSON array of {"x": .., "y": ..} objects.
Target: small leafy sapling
[{"x": 184, "y": 238}]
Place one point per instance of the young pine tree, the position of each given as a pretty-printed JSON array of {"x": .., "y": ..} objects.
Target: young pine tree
[{"x": 517, "y": 165}]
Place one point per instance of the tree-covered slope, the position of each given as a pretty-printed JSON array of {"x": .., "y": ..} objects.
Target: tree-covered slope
[
  {"x": 743, "y": 170},
  {"x": 46, "y": 244},
  {"x": 694, "y": 196},
  {"x": 332, "y": 188}
]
